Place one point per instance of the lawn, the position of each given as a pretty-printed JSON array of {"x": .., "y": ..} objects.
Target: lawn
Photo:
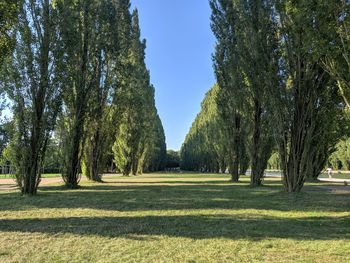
[{"x": 176, "y": 218}]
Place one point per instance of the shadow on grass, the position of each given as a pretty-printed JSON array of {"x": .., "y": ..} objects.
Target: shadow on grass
[
  {"x": 177, "y": 197},
  {"x": 196, "y": 227},
  {"x": 167, "y": 182}
]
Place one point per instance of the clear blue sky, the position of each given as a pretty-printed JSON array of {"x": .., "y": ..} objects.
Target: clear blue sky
[{"x": 179, "y": 48}]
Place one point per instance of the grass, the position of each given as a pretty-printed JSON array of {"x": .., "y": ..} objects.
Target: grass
[{"x": 176, "y": 218}]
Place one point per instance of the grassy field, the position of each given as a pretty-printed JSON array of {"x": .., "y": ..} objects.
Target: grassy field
[{"x": 176, "y": 218}]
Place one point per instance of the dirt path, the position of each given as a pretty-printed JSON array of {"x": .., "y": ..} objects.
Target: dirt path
[
  {"x": 10, "y": 184},
  {"x": 335, "y": 180},
  {"x": 343, "y": 185}
]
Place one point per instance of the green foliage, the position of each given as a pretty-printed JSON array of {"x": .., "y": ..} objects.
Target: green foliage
[
  {"x": 173, "y": 159},
  {"x": 156, "y": 155},
  {"x": 53, "y": 156},
  {"x": 8, "y": 155},
  {"x": 274, "y": 163},
  {"x": 8, "y": 19},
  {"x": 334, "y": 42},
  {"x": 140, "y": 141},
  {"x": 340, "y": 158},
  {"x": 205, "y": 148},
  {"x": 6, "y": 136},
  {"x": 122, "y": 151}
]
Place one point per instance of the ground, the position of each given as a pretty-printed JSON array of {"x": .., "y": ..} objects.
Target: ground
[
  {"x": 176, "y": 218},
  {"x": 7, "y": 176}
]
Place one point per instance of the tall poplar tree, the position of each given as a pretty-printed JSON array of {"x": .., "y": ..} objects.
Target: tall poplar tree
[
  {"x": 98, "y": 125},
  {"x": 80, "y": 63},
  {"x": 232, "y": 98},
  {"x": 256, "y": 29},
  {"x": 134, "y": 102},
  {"x": 32, "y": 82}
]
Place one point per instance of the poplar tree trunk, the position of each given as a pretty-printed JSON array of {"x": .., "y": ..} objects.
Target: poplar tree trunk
[
  {"x": 96, "y": 175},
  {"x": 306, "y": 95},
  {"x": 236, "y": 148},
  {"x": 257, "y": 172},
  {"x": 134, "y": 165},
  {"x": 128, "y": 168},
  {"x": 244, "y": 160},
  {"x": 293, "y": 177},
  {"x": 72, "y": 175},
  {"x": 93, "y": 157}
]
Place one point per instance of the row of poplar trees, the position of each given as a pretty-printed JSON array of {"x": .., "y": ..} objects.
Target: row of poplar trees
[
  {"x": 76, "y": 71},
  {"x": 283, "y": 81}
]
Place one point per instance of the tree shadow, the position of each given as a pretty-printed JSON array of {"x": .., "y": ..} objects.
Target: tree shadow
[
  {"x": 254, "y": 227},
  {"x": 177, "y": 197},
  {"x": 170, "y": 182}
]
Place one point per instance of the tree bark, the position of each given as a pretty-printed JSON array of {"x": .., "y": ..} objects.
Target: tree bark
[
  {"x": 96, "y": 175},
  {"x": 236, "y": 148},
  {"x": 256, "y": 173}
]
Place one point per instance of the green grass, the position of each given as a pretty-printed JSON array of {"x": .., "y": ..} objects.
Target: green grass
[
  {"x": 5, "y": 176},
  {"x": 176, "y": 218}
]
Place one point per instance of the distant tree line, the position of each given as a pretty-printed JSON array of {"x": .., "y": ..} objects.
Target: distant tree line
[
  {"x": 282, "y": 70},
  {"x": 205, "y": 148},
  {"x": 173, "y": 160},
  {"x": 75, "y": 76}
]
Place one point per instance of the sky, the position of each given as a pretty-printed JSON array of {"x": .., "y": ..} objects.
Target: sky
[{"x": 179, "y": 56}]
